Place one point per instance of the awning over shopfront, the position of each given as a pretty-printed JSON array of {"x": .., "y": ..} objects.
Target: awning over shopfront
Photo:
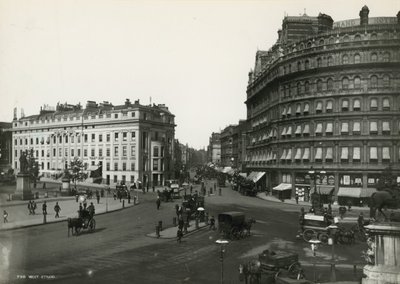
[
  {"x": 255, "y": 176},
  {"x": 325, "y": 189},
  {"x": 283, "y": 186},
  {"x": 354, "y": 192}
]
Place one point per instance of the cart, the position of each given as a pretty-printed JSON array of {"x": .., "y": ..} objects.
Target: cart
[{"x": 234, "y": 225}]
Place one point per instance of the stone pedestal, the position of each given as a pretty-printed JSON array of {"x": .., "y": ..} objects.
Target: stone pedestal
[
  {"x": 387, "y": 254},
  {"x": 66, "y": 186},
  {"x": 23, "y": 190}
]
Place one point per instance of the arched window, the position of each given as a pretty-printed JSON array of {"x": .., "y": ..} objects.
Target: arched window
[
  {"x": 290, "y": 68},
  {"x": 346, "y": 38},
  {"x": 329, "y": 106},
  {"x": 330, "y": 84},
  {"x": 321, "y": 41},
  {"x": 356, "y": 105},
  {"x": 345, "y": 105},
  {"x": 318, "y": 107},
  {"x": 386, "y": 57},
  {"x": 345, "y": 83},
  {"x": 330, "y": 61},
  {"x": 386, "y": 104},
  {"x": 374, "y": 57},
  {"x": 357, "y": 37},
  {"x": 345, "y": 59},
  {"x": 374, "y": 81},
  {"x": 319, "y": 85},
  {"x": 357, "y": 82},
  {"x": 319, "y": 62},
  {"x": 373, "y": 36},
  {"x": 309, "y": 44},
  {"x": 298, "y": 66},
  {"x": 307, "y": 64},
  {"x": 307, "y": 87},
  {"x": 373, "y": 104},
  {"x": 357, "y": 58},
  {"x": 298, "y": 88},
  {"x": 386, "y": 81},
  {"x": 301, "y": 46},
  {"x": 331, "y": 40}
]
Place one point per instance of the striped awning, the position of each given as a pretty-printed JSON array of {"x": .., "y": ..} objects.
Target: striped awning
[{"x": 283, "y": 186}]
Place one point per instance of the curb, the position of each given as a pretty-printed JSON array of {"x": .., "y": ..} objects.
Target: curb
[{"x": 62, "y": 220}]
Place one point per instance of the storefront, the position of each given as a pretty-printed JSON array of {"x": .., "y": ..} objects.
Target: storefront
[
  {"x": 282, "y": 191},
  {"x": 349, "y": 196}
]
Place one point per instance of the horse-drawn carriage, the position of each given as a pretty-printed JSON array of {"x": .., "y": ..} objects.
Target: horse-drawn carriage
[
  {"x": 234, "y": 225},
  {"x": 269, "y": 266},
  {"x": 81, "y": 223},
  {"x": 191, "y": 205}
]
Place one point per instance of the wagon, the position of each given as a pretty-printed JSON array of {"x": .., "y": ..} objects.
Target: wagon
[
  {"x": 233, "y": 225},
  {"x": 269, "y": 265}
]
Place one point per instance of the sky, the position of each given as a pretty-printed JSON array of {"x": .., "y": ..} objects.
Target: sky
[{"x": 193, "y": 56}]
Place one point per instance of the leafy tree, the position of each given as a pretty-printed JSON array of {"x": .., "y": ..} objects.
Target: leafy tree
[
  {"x": 388, "y": 180},
  {"x": 76, "y": 171}
]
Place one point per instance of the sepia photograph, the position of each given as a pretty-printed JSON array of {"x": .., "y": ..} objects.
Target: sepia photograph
[{"x": 200, "y": 142}]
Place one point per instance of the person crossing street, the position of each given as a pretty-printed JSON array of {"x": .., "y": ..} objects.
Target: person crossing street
[{"x": 57, "y": 209}]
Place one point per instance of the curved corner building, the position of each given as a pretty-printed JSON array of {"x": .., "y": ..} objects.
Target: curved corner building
[{"x": 324, "y": 107}]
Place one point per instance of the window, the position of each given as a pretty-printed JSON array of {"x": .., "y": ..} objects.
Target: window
[
  {"x": 108, "y": 137},
  {"x": 298, "y": 131},
  {"x": 345, "y": 83},
  {"x": 93, "y": 137},
  {"x": 307, "y": 64},
  {"x": 124, "y": 151},
  {"x": 116, "y": 137},
  {"x": 297, "y": 157},
  {"x": 386, "y": 57},
  {"x": 107, "y": 166},
  {"x": 344, "y": 129},
  {"x": 133, "y": 149},
  {"x": 357, "y": 58},
  {"x": 373, "y": 104},
  {"x": 155, "y": 151},
  {"x": 124, "y": 166},
  {"x": 329, "y": 106},
  {"x": 344, "y": 157},
  {"x": 373, "y": 127},
  {"x": 318, "y": 155},
  {"x": 356, "y": 128},
  {"x": 385, "y": 154},
  {"x": 345, "y": 59},
  {"x": 357, "y": 37},
  {"x": 132, "y": 180},
  {"x": 133, "y": 135},
  {"x": 288, "y": 111},
  {"x": 85, "y": 139},
  {"x": 100, "y": 152},
  {"x": 386, "y": 104},
  {"x": 155, "y": 165},
  {"x": 307, "y": 87},
  {"x": 100, "y": 137},
  {"x": 79, "y": 152},
  {"x": 306, "y": 109},
  {"x": 116, "y": 115},
  {"x": 85, "y": 152},
  {"x": 386, "y": 81},
  {"x": 306, "y": 130},
  {"x": 319, "y": 85},
  {"x": 298, "y": 110},
  {"x": 115, "y": 166},
  {"x": 319, "y": 62},
  {"x": 356, "y": 105},
  {"x": 329, "y": 129},
  {"x": 108, "y": 152},
  {"x": 60, "y": 139},
  {"x": 133, "y": 114},
  {"x": 373, "y": 154},
  {"x": 318, "y": 129},
  {"x": 385, "y": 128},
  {"x": 374, "y": 81},
  {"x": 92, "y": 153},
  {"x": 115, "y": 179},
  {"x": 298, "y": 66},
  {"x": 345, "y": 105},
  {"x": 330, "y": 61},
  {"x": 124, "y": 136},
  {"x": 306, "y": 155},
  {"x": 116, "y": 151},
  {"x": 318, "y": 108},
  {"x": 298, "y": 88},
  {"x": 132, "y": 166},
  {"x": 357, "y": 82},
  {"x": 330, "y": 84},
  {"x": 356, "y": 154},
  {"x": 374, "y": 57}
]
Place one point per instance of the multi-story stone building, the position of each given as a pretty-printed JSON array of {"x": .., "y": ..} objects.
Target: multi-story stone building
[
  {"x": 131, "y": 142},
  {"x": 327, "y": 96},
  {"x": 214, "y": 148},
  {"x": 5, "y": 146}
]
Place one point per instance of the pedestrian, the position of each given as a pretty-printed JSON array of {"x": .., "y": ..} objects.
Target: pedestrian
[
  {"x": 5, "y": 216},
  {"x": 30, "y": 207},
  {"x": 129, "y": 197},
  {"x": 297, "y": 198},
  {"x": 212, "y": 223},
  {"x": 179, "y": 235},
  {"x": 80, "y": 210},
  {"x": 33, "y": 206},
  {"x": 360, "y": 221},
  {"x": 57, "y": 209},
  {"x": 154, "y": 188},
  {"x": 115, "y": 195},
  {"x": 44, "y": 208},
  {"x": 98, "y": 197},
  {"x": 158, "y": 202},
  {"x": 91, "y": 210}
]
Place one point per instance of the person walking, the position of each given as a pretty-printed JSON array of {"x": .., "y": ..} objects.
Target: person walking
[
  {"x": 57, "y": 209},
  {"x": 30, "y": 207},
  {"x": 98, "y": 197},
  {"x": 91, "y": 210},
  {"x": 5, "y": 216},
  {"x": 44, "y": 208},
  {"x": 297, "y": 198},
  {"x": 33, "y": 207},
  {"x": 179, "y": 235},
  {"x": 158, "y": 202},
  {"x": 212, "y": 223}
]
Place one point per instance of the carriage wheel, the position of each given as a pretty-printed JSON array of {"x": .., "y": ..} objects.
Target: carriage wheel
[
  {"x": 294, "y": 270},
  {"x": 92, "y": 225},
  {"x": 323, "y": 238},
  {"x": 308, "y": 234}
]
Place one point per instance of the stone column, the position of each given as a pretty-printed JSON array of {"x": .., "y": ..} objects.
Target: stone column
[{"x": 387, "y": 254}]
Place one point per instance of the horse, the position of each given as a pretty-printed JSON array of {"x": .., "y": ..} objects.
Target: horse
[
  {"x": 381, "y": 199},
  {"x": 74, "y": 223},
  {"x": 247, "y": 225}
]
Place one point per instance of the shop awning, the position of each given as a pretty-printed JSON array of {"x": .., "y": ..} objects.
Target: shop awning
[
  {"x": 349, "y": 192},
  {"x": 255, "y": 176},
  {"x": 325, "y": 189},
  {"x": 283, "y": 186},
  {"x": 367, "y": 192},
  {"x": 243, "y": 174}
]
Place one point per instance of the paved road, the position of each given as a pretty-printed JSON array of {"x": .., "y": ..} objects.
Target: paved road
[{"x": 120, "y": 252}]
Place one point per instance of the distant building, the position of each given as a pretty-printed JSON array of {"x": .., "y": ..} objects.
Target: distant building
[
  {"x": 214, "y": 148},
  {"x": 130, "y": 142},
  {"x": 326, "y": 96},
  {"x": 5, "y": 146}
]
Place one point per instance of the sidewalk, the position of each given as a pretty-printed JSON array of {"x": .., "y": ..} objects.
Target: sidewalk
[{"x": 18, "y": 213}]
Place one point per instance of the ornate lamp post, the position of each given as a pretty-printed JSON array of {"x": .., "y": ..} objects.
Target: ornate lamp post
[
  {"x": 332, "y": 229},
  {"x": 222, "y": 244},
  {"x": 314, "y": 246}
]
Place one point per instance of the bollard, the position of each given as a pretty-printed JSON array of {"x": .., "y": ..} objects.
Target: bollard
[
  {"x": 157, "y": 231},
  {"x": 160, "y": 225},
  {"x": 197, "y": 223},
  {"x": 174, "y": 221},
  {"x": 123, "y": 203},
  {"x": 44, "y": 219},
  {"x": 355, "y": 271},
  {"x": 220, "y": 191}
]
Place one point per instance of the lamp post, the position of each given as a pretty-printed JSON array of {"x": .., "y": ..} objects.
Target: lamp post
[
  {"x": 314, "y": 246},
  {"x": 332, "y": 233},
  {"x": 222, "y": 244}
]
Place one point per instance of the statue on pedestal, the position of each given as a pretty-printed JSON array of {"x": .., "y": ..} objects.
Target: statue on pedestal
[{"x": 23, "y": 163}]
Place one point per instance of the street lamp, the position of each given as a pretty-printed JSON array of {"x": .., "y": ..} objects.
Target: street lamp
[
  {"x": 332, "y": 229},
  {"x": 314, "y": 246},
  {"x": 222, "y": 244}
]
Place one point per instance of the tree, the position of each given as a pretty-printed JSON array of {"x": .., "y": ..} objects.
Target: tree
[
  {"x": 32, "y": 166},
  {"x": 76, "y": 171},
  {"x": 388, "y": 180}
]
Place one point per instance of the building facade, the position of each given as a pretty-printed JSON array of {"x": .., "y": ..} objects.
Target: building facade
[
  {"x": 214, "y": 148},
  {"x": 131, "y": 142},
  {"x": 5, "y": 146},
  {"x": 323, "y": 105}
]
